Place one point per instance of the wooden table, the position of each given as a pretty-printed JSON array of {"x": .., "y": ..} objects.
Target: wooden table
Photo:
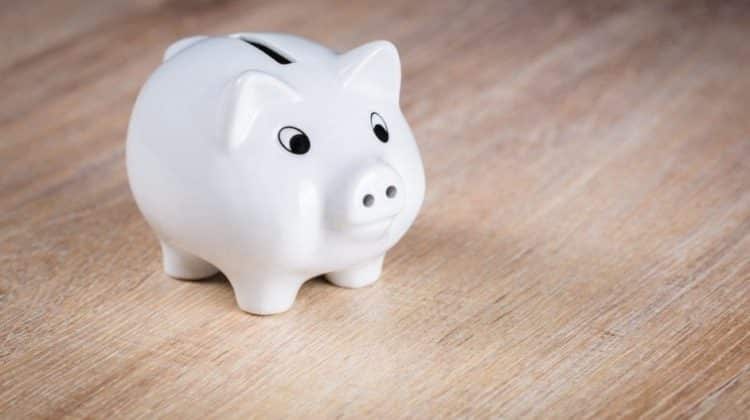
[{"x": 583, "y": 250}]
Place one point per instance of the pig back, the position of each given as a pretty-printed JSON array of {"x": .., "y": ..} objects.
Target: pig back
[{"x": 174, "y": 151}]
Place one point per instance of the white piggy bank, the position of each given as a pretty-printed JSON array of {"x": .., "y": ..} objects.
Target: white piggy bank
[{"x": 274, "y": 160}]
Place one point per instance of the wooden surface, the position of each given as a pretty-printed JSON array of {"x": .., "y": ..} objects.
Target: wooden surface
[{"x": 583, "y": 250}]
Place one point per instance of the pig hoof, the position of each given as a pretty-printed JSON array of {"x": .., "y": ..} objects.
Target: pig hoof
[
  {"x": 359, "y": 276},
  {"x": 181, "y": 265},
  {"x": 269, "y": 297}
]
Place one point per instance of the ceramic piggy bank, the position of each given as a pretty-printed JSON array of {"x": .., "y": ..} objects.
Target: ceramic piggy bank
[{"x": 273, "y": 159}]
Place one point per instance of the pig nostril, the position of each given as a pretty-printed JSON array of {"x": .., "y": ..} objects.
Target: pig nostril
[
  {"x": 368, "y": 200},
  {"x": 391, "y": 191}
]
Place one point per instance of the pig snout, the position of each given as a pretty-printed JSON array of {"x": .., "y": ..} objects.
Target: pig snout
[
  {"x": 372, "y": 195},
  {"x": 375, "y": 195}
]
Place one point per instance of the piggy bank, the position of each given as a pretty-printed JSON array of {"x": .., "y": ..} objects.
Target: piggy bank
[{"x": 273, "y": 159}]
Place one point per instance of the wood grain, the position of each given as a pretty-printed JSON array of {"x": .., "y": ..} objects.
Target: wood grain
[{"x": 583, "y": 251}]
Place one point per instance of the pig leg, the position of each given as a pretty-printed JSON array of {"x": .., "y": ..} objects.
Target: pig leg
[
  {"x": 265, "y": 294},
  {"x": 358, "y": 276},
  {"x": 181, "y": 265}
]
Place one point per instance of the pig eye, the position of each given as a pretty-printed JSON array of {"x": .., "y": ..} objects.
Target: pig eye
[
  {"x": 379, "y": 127},
  {"x": 294, "y": 140}
]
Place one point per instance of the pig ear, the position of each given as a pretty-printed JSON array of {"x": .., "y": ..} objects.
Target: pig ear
[
  {"x": 248, "y": 95},
  {"x": 374, "y": 69}
]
